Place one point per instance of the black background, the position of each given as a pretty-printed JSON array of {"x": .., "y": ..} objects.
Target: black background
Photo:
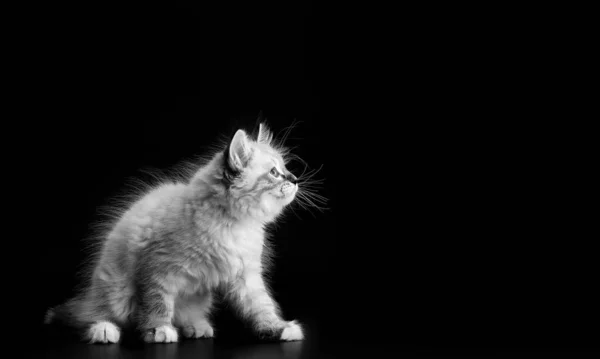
[{"x": 457, "y": 220}]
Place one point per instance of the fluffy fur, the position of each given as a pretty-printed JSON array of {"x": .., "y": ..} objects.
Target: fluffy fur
[{"x": 161, "y": 262}]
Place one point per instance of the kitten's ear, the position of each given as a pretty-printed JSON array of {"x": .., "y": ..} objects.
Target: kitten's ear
[
  {"x": 239, "y": 150},
  {"x": 264, "y": 134}
]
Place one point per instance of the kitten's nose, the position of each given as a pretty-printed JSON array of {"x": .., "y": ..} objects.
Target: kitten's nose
[{"x": 290, "y": 177}]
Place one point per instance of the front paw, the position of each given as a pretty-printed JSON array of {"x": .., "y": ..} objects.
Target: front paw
[
  {"x": 103, "y": 332},
  {"x": 162, "y": 334},
  {"x": 203, "y": 330},
  {"x": 292, "y": 331}
]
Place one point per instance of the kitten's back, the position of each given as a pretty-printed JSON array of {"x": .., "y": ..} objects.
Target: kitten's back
[{"x": 157, "y": 210}]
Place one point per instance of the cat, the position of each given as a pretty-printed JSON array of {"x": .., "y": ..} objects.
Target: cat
[{"x": 164, "y": 259}]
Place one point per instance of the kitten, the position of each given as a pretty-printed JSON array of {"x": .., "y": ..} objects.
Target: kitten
[{"x": 160, "y": 264}]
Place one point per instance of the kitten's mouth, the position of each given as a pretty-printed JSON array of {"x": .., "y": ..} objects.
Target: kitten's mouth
[{"x": 288, "y": 190}]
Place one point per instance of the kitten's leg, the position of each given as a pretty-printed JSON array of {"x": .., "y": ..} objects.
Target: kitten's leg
[
  {"x": 155, "y": 312},
  {"x": 191, "y": 315},
  {"x": 251, "y": 296},
  {"x": 106, "y": 305},
  {"x": 92, "y": 317}
]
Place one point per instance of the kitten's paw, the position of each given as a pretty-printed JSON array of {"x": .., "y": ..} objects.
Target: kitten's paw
[
  {"x": 293, "y": 331},
  {"x": 162, "y": 334},
  {"x": 203, "y": 330},
  {"x": 103, "y": 332}
]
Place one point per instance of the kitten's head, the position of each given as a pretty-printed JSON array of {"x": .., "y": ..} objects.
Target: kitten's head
[{"x": 255, "y": 174}]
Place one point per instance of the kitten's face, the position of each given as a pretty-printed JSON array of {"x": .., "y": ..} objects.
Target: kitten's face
[
  {"x": 263, "y": 182},
  {"x": 271, "y": 181}
]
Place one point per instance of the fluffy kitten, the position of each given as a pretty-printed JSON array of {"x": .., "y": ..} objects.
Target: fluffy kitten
[{"x": 160, "y": 264}]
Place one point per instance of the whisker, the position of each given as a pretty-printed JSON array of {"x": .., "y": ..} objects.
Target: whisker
[
  {"x": 317, "y": 198},
  {"x": 287, "y": 132},
  {"x": 310, "y": 174},
  {"x": 310, "y": 189},
  {"x": 317, "y": 183},
  {"x": 301, "y": 202},
  {"x": 298, "y": 158},
  {"x": 315, "y": 195},
  {"x": 309, "y": 201},
  {"x": 301, "y": 177},
  {"x": 294, "y": 212}
]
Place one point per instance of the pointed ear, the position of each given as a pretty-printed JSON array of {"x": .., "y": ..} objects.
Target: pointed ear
[
  {"x": 264, "y": 135},
  {"x": 239, "y": 150}
]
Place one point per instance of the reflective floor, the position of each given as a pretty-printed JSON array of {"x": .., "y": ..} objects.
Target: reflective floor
[
  {"x": 58, "y": 342},
  {"x": 55, "y": 342},
  {"x": 185, "y": 349}
]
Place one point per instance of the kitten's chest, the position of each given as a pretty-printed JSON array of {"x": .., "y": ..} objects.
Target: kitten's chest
[
  {"x": 234, "y": 251},
  {"x": 243, "y": 246},
  {"x": 225, "y": 258}
]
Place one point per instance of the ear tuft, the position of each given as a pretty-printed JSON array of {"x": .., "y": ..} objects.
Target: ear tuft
[{"x": 264, "y": 134}]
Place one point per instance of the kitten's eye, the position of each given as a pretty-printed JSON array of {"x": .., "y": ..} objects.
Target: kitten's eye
[{"x": 274, "y": 172}]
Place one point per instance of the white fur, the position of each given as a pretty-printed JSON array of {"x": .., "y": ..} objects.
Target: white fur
[
  {"x": 292, "y": 332},
  {"x": 162, "y": 334},
  {"x": 199, "y": 330},
  {"x": 103, "y": 332}
]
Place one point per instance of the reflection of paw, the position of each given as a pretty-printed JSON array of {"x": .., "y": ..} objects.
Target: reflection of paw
[
  {"x": 162, "y": 334},
  {"x": 103, "y": 332},
  {"x": 203, "y": 330},
  {"x": 293, "y": 331}
]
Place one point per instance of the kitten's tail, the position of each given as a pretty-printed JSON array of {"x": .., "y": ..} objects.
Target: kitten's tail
[
  {"x": 50, "y": 316},
  {"x": 63, "y": 313}
]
